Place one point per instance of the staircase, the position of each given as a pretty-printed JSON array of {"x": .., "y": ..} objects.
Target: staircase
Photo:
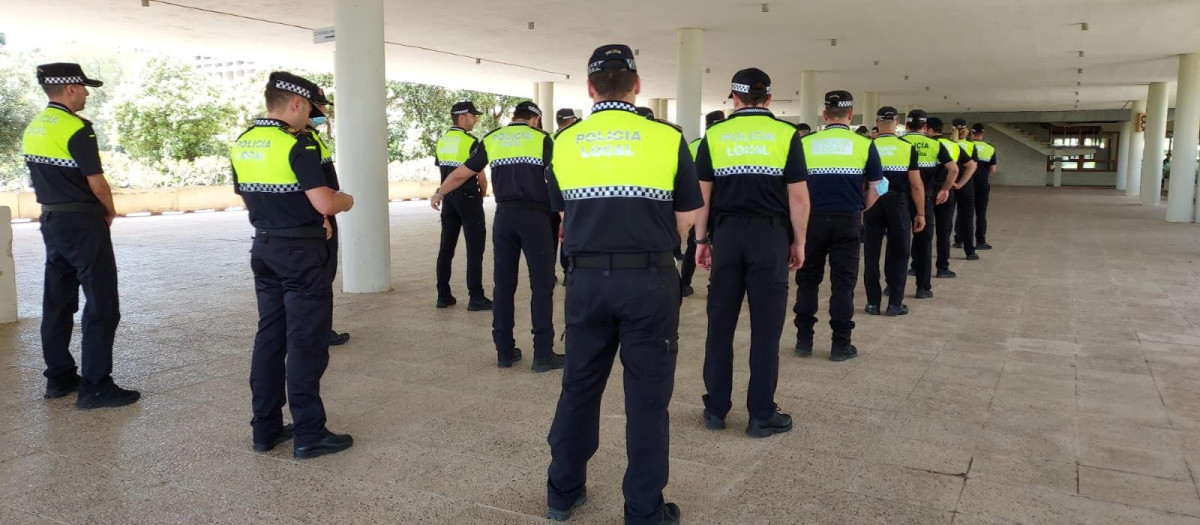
[{"x": 1028, "y": 139}]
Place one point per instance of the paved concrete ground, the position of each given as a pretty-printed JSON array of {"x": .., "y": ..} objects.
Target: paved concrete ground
[{"x": 1055, "y": 381}]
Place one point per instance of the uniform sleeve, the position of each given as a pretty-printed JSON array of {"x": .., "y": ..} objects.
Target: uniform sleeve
[
  {"x": 478, "y": 159},
  {"x": 963, "y": 158},
  {"x": 943, "y": 154},
  {"x": 687, "y": 186},
  {"x": 306, "y": 162},
  {"x": 547, "y": 150},
  {"x": 873, "y": 171},
  {"x": 796, "y": 169},
  {"x": 237, "y": 190},
  {"x": 86, "y": 152},
  {"x": 557, "y": 204},
  {"x": 913, "y": 163},
  {"x": 994, "y": 157},
  {"x": 704, "y": 169}
]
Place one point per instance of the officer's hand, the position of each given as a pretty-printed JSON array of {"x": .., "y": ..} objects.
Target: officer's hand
[
  {"x": 796, "y": 258},
  {"x": 349, "y": 198},
  {"x": 704, "y": 256},
  {"x": 919, "y": 224},
  {"x": 109, "y": 218},
  {"x": 328, "y": 229},
  {"x": 943, "y": 196},
  {"x": 436, "y": 202},
  {"x": 560, "y": 232}
]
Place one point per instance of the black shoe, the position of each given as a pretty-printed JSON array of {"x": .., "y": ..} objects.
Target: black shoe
[
  {"x": 912, "y": 272},
  {"x": 873, "y": 309},
  {"x": 554, "y": 362},
  {"x": 893, "y": 311},
  {"x": 285, "y": 434},
  {"x": 481, "y": 304},
  {"x": 671, "y": 514},
  {"x": 778, "y": 423},
  {"x": 687, "y": 291},
  {"x": 972, "y": 256},
  {"x": 956, "y": 245},
  {"x": 839, "y": 355},
  {"x": 924, "y": 294},
  {"x": 983, "y": 246},
  {"x": 108, "y": 395},
  {"x": 803, "y": 349},
  {"x": 516, "y": 356},
  {"x": 554, "y": 514},
  {"x": 446, "y": 302},
  {"x": 713, "y": 422},
  {"x": 56, "y": 388},
  {"x": 330, "y": 444},
  {"x": 945, "y": 274},
  {"x": 336, "y": 339}
]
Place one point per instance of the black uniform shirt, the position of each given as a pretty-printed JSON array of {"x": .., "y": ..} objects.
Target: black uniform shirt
[
  {"x": 755, "y": 193},
  {"x": 516, "y": 180},
  {"x": 291, "y": 209}
]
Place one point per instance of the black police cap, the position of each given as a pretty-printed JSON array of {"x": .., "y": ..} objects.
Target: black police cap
[
  {"x": 862, "y": 130},
  {"x": 612, "y": 56},
  {"x": 959, "y": 123},
  {"x": 744, "y": 82},
  {"x": 528, "y": 106},
  {"x": 645, "y": 112},
  {"x": 464, "y": 107},
  {"x": 886, "y": 113},
  {"x": 917, "y": 116},
  {"x": 284, "y": 81},
  {"x": 839, "y": 99},
  {"x": 936, "y": 124},
  {"x": 64, "y": 74},
  {"x": 803, "y": 126},
  {"x": 565, "y": 113},
  {"x": 713, "y": 117},
  {"x": 977, "y": 128}
]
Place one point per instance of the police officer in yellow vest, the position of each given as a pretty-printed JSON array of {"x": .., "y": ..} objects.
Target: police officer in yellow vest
[
  {"x": 277, "y": 171},
  {"x": 688, "y": 266},
  {"x": 964, "y": 196},
  {"x": 335, "y": 338},
  {"x": 944, "y": 209},
  {"x": 463, "y": 210},
  {"x": 752, "y": 175},
  {"x": 518, "y": 154},
  {"x": 891, "y": 217},
  {"x": 77, "y": 211},
  {"x": 986, "y": 158},
  {"x": 627, "y": 186},
  {"x": 936, "y": 164},
  {"x": 563, "y": 118},
  {"x": 843, "y": 170}
]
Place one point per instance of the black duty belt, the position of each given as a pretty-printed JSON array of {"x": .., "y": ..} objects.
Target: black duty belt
[
  {"x": 524, "y": 205},
  {"x": 76, "y": 207},
  {"x": 307, "y": 232},
  {"x": 625, "y": 260},
  {"x": 836, "y": 213},
  {"x": 767, "y": 220}
]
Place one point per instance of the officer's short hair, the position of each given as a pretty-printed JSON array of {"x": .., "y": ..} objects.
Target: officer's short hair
[
  {"x": 524, "y": 114},
  {"x": 54, "y": 90},
  {"x": 914, "y": 126},
  {"x": 756, "y": 97},
  {"x": 277, "y": 97},
  {"x": 613, "y": 83},
  {"x": 838, "y": 112}
]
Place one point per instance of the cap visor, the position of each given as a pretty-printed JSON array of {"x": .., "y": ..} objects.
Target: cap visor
[
  {"x": 92, "y": 83},
  {"x": 475, "y": 112},
  {"x": 316, "y": 112}
]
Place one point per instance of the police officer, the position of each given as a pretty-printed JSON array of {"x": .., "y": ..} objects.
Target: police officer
[
  {"x": 944, "y": 209},
  {"x": 843, "y": 169},
  {"x": 331, "y": 180},
  {"x": 891, "y": 216},
  {"x": 628, "y": 188},
  {"x": 936, "y": 165},
  {"x": 277, "y": 171},
  {"x": 518, "y": 154},
  {"x": 563, "y": 118},
  {"x": 803, "y": 129},
  {"x": 964, "y": 196},
  {"x": 77, "y": 214},
  {"x": 462, "y": 210},
  {"x": 688, "y": 269},
  {"x": 752, "y": 175},
  {"x": 985, "y": 156}
]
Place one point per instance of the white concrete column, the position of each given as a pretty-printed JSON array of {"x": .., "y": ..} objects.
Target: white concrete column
[
  {"x": 1057, "y": 169},
  {"x": 867, "y": 108},
  {"x": 8, "y": 269},
  {"x": 653, "y": 104},
  {"x": 661, "y": 109},
  {"x": 1137, "y": 146},
  {"x": 1123, "y": 154},
  {"x": 810, "y": 100},
  {"x": 362, "y": 145},
  {"x": 1181, "y": 195},
  {"x": 689, "y": 81},
  {"x": 1156, "y": 144},
  {"x": 534, "y": 98},
  {"x": 545, "y": 102}
]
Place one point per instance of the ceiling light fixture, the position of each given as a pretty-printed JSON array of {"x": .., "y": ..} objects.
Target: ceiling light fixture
[
  {"x": 926, "y": 88},
  {"x": 1078, "y": 83},
  {"x": 1083, "y": 26},
  {"x": 877, "y": 62},
  {"x": 905, "y": 77},
  {"x": 531, "y": 26},
  {"x": 1080, "y": 70},
  {"x": 833, "y": 42},
  {"x": 145, "y": 3},
  {"x": 766, "y": 8},
  {"x": 708, "y": 70},
  {"x": 637, "y": 52},
  {"x": 478, "y": 61},
  {"x": 1081, "y": 54}
]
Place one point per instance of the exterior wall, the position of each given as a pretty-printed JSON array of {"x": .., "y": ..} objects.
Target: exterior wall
[
  {"x": 1017, "y": 164},
  {"x": 8, "y": 269}
]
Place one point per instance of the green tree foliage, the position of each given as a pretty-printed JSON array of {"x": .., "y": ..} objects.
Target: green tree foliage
[
  {"x": 18, "y": 105},
  {"x": 419, "y": 114},
  {"x": 170, "y": 111}
]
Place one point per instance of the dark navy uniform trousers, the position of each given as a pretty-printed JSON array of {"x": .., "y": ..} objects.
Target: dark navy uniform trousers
[
  {"x": 79, "y": 253},
  {"x": 462, "y": 211},
  {"x": 291, "y": 348},
  {"x": 689, "y": 259},
  {"x": 634, "y": 312},
  {"x": 836, "y": 236},
  {"x": 964, "y": 223},
  {"x": 751, "y": 260},
  {"x": 521, "y": 228},
  {"x": 983, "y": 192},
  {"x": 944, "y": 215},
  {"x": 889, "y": 218},
  {"x": 922, "y": 244}
]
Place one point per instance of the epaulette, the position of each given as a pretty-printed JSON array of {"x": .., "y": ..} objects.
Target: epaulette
[
  {"x": 293, "y": 131},
  {"x": 672, "y": 124}
]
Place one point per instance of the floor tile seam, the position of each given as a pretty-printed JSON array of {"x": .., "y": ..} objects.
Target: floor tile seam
[
  {"x": 1083, "y": 465},
  {"x": 1193, "y": 476},
  {"x": 1161, "y": 399},
  {"x": 1076, "y": 438},
  {"x": 1143, "y": 507},
  {"x": 34, "y": 514}
]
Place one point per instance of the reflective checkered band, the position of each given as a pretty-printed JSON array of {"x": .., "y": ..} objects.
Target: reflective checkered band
[
  {"x": 614, "y": 104},
  {"x": 517, "y": 160},
  {"x": 881, "y": 135},
  {"x": 836, "y": 126},
  {"x": 598, "y": 65},
  {"x": 327, "y": 160},
  {"x": 748, "y": 170},
  {"x": 603, "y": 192},
  {"x": 840, "y": 104},
  {"x": 62, "y": 163},
  {"x": 927, "y": 164},
  {"x": 449, "y": 164},
  {"x": 62, "y": 80},
  {"x": 754, "y": 111},
  {"x": 288, "y": 86},
  {"x": 269, "y": 122},
  {"x": 895, "y": 168},
  {"x": 745, "y": 88},
  {"x": 460, "y": 112},
  {"x": 836, "y": 171},
  {"x": 256, "y": 187}
]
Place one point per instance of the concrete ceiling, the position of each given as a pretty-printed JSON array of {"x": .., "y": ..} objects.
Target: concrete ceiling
[{"x": 1003, "y": 55}]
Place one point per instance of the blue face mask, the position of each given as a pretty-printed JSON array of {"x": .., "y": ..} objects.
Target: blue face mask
[
  {"x": 882, "y": 187},
  {"x": 319, "y": 121}
]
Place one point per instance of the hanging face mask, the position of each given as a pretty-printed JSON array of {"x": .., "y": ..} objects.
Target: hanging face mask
[
  {"x": 882, "y": 187},
  {"x": 319, "y": 121}
]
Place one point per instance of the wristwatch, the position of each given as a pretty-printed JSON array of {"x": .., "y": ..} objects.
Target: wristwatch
[{"x": 703, "y": 241}]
